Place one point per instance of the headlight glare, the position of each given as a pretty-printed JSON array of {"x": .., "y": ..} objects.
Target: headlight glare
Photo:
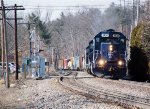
[
  {"x": 110, "y": 48},
  {"x": 120, "y": 63},
  {"x": 101, "y": 62}
]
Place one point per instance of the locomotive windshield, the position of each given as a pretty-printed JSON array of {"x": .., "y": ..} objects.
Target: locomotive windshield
[
  {"x": 107, "y": 39},
  {"x": 120, "y": 41},
  {"x": 109, "y": 51}
]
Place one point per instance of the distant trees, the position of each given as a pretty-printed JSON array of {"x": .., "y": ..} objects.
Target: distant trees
[
  {"x": 73, "y": 31},
  {"x": 118, "y": 18},
  {"x": 41, "y": 28}
]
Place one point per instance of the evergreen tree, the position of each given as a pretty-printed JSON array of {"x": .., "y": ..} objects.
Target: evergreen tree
[
  {"x": 138, "y": 66},
  {"x": 40, "y": 27}
]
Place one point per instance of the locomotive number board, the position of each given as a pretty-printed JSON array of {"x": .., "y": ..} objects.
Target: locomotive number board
[{"x": 107, "y": 35}]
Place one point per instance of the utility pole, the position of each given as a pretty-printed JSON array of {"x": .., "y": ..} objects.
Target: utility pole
[
  {"x": 6, "y": 76},
  {"x": 137, "y": 12},
  {"x": 52, "y": 57},
  {"x": 15, "y": 8},
  {"x": 133, "y": 12},
  {"x": 16, "y": 45},
  {"x": 29, "y": 33},
  {"x": 29, "y": 24},
  {"x": 120, "y": 3},
  {"x": 16, "y": 41},
  {"x": 2, "y": 43},
  {"x": 124, "y": 27}
]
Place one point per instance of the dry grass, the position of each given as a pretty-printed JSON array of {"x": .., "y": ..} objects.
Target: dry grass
[
  {"x": 11, "y": 79},
  {"x": 2, "y": 81}
]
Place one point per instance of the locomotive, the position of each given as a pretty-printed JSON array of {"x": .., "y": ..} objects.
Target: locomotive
[{"x": 106, "y": 55}]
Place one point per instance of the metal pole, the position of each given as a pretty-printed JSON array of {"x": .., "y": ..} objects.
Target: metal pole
[
  {"x": 30, "y": 47},
  {"x": 24, "y": 76},
  {"x": 137, "y": 12},
  {"x": 16, "y": 47},
  {"x": 124, "y": 29},
  {"x": 6, "y": 44},
  {"x": 29, "y": 39},
  {"x": 52, "y": 57},
  {"x": 29, "y": 33},
  {"x": 133, "y": 22}
]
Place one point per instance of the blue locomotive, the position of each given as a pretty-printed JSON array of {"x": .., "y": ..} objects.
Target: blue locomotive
[{"x": 106, "y": 55}]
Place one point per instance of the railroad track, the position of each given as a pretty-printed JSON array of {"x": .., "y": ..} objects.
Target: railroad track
[
  {"x": 106, "y": 95},
  {"x": 135, "y": 83}
]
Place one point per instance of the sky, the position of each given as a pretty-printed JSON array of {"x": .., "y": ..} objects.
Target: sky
[
  {"x": 60, "y": 5},
  {"x": 60, "y": 2}
]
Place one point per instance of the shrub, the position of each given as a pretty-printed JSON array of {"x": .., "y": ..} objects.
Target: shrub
[{"x": 138, "y": 65}]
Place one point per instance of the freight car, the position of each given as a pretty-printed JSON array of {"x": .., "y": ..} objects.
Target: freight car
[
  {"x": 106, "y": 55},
  {"x": 72, "y": 63}
]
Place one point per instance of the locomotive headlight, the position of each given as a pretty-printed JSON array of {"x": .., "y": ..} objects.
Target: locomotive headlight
[
  {"x": 120, "y": 63},
  {"x": 111, "y": 48},
  {"x": 101, "y": 62}
]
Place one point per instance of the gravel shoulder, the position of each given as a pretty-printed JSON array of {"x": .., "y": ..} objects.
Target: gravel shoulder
[{"x": 45, "y": 94}]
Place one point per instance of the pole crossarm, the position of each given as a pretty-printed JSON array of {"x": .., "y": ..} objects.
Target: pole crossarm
[
  {"x": 12, "y": 18},
  {"x": 13, "y": 8}
]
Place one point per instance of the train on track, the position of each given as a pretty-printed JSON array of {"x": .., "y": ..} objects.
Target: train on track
[{"x": 105, "y": 56}]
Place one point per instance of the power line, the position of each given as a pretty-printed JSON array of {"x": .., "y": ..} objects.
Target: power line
[
  {"x": 73, "y": 6},
  {"x": 64, "y": 9}
]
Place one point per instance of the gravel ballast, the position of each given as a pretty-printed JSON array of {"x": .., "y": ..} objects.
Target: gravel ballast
[
  {"x": 46, "y": 94},
  {"x": 125, "y": 87}
]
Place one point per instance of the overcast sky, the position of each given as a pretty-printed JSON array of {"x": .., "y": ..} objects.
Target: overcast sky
[{"x": 28, "y": 4}]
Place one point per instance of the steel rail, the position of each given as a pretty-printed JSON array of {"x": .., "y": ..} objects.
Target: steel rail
[
  {"x": 100, "y": 93},
  {"x": 123, "y": 98},
  {"x": 70, "y": 85}
]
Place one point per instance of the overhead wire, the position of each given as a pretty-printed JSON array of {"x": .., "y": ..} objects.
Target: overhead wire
[
  {"x": 65, "y": 6},
  {"x": 62, "y": 9},
  {"x": 75, "y": 7}
]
